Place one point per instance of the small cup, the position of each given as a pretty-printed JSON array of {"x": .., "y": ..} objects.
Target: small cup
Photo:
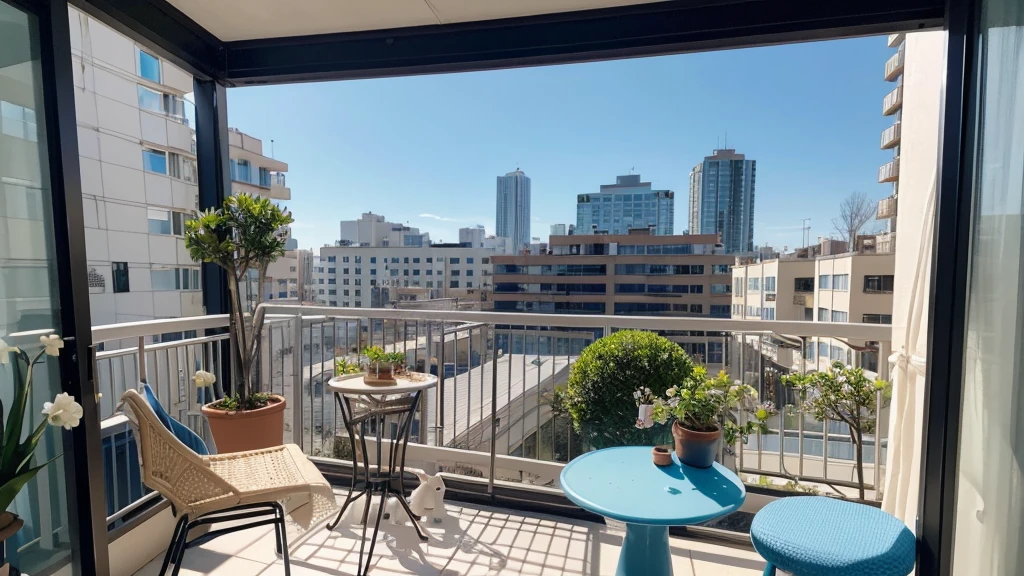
[{"x": 662, "y": 456}]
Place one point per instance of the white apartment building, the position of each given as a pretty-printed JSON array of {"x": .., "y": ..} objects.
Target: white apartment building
[
  {"x": 138, "y": 166},
  {"x": 138, "y": 170},
  {"x": 477, "y": 237},
  {"x": 375, "y": 231},
  {"x": 368, "y": 277}
]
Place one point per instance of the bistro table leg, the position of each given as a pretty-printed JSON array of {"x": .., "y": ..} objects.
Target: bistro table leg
[{"x": 645, "y": 552}]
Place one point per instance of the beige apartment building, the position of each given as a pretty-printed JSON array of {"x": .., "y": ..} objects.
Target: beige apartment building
[
  {"x": 636, "y": 274},
  {"x": 839, "y": 288}
]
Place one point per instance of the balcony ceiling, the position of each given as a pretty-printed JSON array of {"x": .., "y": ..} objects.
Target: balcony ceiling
[{"x": 231, "y": 20}]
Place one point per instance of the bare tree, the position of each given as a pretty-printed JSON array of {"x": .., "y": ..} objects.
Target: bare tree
[{"x": 854, "y": 212}]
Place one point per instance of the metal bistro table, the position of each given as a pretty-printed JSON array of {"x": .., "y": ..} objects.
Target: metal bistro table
[
  {"x": 624, "y": 484},
  {"x": 374, "y": 406}
]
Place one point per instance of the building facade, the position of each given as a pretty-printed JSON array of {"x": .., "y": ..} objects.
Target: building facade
[
  {"x": 512, "y": 218},
  {"x": 626, "y": 205},
  {"x": 722, "y": 199},
  {"x": 889, "y": 173},
  {"x": 368, "y": 277},
  {"x": 375, "y": 231}
]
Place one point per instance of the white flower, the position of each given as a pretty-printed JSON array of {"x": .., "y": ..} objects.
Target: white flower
[
  {"x": 63, "y": 411},
  {"x": 204, "y": 378},
  {"x": 5, "y": 351},
  {"x": 671, "y": 392},
  {"x": 52, "y": 343}
]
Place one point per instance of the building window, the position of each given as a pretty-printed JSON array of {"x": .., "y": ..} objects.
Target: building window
[
  {"x": 394, "y": 260},
  {"x": 265, "y": 177},
  {"x": 430, "y": 283},
  {"x": 453, "y": 284},
  {"x": 878, "y": 284},
  {"x": 767, "y": 313},
  {"x": 343, "y": 292},
  {"x": 332, "y": 281},
  {"x": 430, "y": 260},
  {"x": 359, "y": 304},
  {"x": 430, "y": 272},
  {"x": 373, "y": 271},
  {"x": 120, "y": 273},
  {"x": 721, "y": 289},
  {"x": 405, "y": 272},
  {"x": 453, "y": 260},
  {"x": 469, "y": 284},
  {"x": 822, "y": 350},
  {"x": 838, "y": 316},
  {"x": 720, "y": 269},
  {"x": 291, "y": 268},
  {"x": 823, "y": 315},
  {"x": 344, "y": 281},
  {"x": 166, "y": 279},
  {"x": 456, "y": 273},
  {"x": 149, "y": 66},
  {"x": 358, "y": 282},
  {"x": 415, "y": 271},
  {"x": 877, "y": 319},
  {"x": 359, "y": 270},
  {"x": 405, "y": 260},
  {"x": 331, "y": 270},
  {"x": 332, "y": 303},
  {"x": 753, "y": 284},
  {"x": 737, "y": 286},
  {"x": 469, "y": 260},
  {"x": 841, "y": 282},
  {"x": 159, "y": 221},
  {"x": 154, "y": 161},
  {"x": 809, "y": 351},
  {"x": 151, "y": 100},
  {"x": 803, "y": 284},
  {"x": 469, "y": 272},
  {"x": 359, "y": 259},
  {"x": 319, "y": 280},
  {"x": 373, "y": 259},
  {"x": 394, "y": 271},
  {"x": 358, "y": 292},
  {"x": 825, "y": 282},
  {"x": 769, "y": 284},
  {"x": 344, "y": 259},
  {"x": 344, "y": 270},
  {"x": 18, "y": 121},
  {"x": 332, "y": 258}
]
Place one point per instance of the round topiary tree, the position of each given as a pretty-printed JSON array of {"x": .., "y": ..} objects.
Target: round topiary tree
[{"x": 599, "y": 394}]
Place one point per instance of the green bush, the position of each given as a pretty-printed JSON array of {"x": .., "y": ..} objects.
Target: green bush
[{"x": 599, "y": 394}]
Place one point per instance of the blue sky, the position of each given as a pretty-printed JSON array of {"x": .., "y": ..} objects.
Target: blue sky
[{"x": 426, "y": 150}]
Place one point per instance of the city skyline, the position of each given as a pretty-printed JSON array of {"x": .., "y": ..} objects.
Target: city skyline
[{"x": 367, "y": 145}]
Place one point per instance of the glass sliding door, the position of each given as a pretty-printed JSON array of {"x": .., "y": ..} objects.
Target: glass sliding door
[
  {"x": 29, "y": 301},
  {"x": 989, "y": 525}
]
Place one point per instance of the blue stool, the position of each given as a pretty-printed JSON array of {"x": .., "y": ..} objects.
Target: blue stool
[{"x": 818, "y": 536}]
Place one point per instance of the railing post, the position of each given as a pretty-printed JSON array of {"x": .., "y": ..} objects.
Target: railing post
[
  {"x": 142, "y": 360},
  {"x": 296, "y": 399},
  {"x": 494, "y": 410},
  {"x": 884, "y": 347}
]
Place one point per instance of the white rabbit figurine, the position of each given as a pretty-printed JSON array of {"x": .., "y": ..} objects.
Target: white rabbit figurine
[{"x": 427, "y": 499}]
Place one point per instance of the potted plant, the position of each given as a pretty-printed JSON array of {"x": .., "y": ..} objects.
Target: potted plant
[
  {"x": 345, "y": 369},
  {"x": 843, "y": 394},
  {"x": 245, "y": 234},
  {"x": 598, "y": 396},
  {"x": 17, "y": 466},
  {"x": 700, "y": 407},
  {"x": 383, "y": 366}
]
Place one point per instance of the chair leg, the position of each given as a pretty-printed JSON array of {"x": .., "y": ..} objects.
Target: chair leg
[
  {"x": 282, "y": 541},
  {"x": 182, "y": 544},
  {"x": 172, "y": 546},
  {"x": 769, "y": 569}
]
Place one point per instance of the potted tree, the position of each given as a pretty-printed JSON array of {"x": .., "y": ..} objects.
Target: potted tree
[
  {"x": 245, "y": 234},
  {"x": 843, "y": 394},
  {"x": 599, "y": 395},
  {"x": 17, "y": 464},
  {"x": 700, "y": 407}
]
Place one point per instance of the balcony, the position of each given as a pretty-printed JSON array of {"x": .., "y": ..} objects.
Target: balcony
[
  {"x": 891, "y": 136},
  {"x": 886, "y": 208},
  {"x": 894, "y": 66},
  {"x": 895, "y": 40},
  {"x": 885, "y": 242},
  {"x": 893, "y": 101},
  {"x": 514, "y": 446},
  {"x": 889, "y": 172}
]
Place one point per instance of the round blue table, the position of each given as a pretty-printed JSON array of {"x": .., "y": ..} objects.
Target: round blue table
[{"x": 624, "y": 484}]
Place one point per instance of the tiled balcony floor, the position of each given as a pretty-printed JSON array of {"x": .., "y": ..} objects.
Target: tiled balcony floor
[{"x": 468, "y": 541}]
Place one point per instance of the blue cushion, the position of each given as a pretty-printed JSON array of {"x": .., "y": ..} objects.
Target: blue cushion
[
  {"x": 818, "y": 536},
  {"x": 180, "y": 431}
]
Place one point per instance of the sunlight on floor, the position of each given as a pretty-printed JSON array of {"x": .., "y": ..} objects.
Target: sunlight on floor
[{"x": 467, "y": 541}]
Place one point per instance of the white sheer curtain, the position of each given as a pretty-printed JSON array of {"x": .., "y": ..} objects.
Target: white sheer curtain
[{"x": 988, "y": 537}]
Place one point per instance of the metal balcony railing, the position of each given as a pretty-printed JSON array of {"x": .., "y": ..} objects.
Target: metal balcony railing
[
  {"x": 891, "y": 136},
  {"x": 491, "y": 415},
  {"x": 889, "y": 172},
  {"x": 894, "y": 66}
]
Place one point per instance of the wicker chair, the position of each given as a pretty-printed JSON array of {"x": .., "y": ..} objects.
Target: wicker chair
[{"x": 204, "y": 490}]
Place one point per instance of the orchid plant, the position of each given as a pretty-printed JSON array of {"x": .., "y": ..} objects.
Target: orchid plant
[
  {"x": 16, "y": 453},
  {"x": 705, "y": 404}
]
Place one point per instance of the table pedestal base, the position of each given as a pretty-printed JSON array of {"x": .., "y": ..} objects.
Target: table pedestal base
[{"x": 645, "y": 552}]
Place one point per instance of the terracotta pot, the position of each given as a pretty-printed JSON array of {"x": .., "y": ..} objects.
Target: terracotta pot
[
  {"x": 697, "y": 449},
  {"x": 10, "y": 523},
  {"x": 247, "y": 430},
  {"x": 662, "y": 456}
]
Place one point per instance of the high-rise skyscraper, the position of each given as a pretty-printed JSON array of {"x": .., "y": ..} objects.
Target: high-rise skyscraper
[
  {"x": 722, "y": 199},
  {"x": 513, "y": 208},
  {"x": 629, "y": 203}
]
